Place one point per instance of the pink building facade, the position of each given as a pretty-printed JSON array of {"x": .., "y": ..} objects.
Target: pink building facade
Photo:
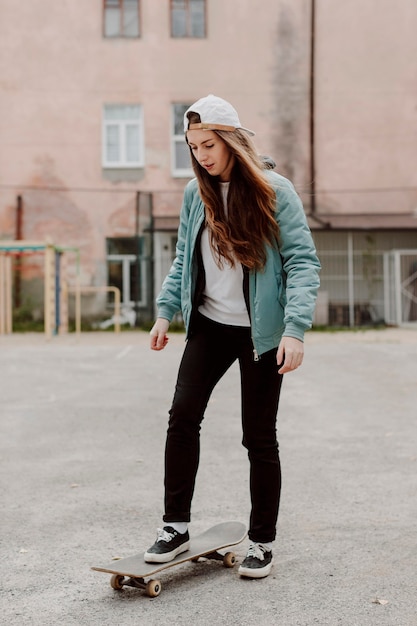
[{"x": 92, "y": 151}]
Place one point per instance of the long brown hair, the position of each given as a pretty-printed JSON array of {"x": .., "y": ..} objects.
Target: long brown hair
[{"x": 250, "y": 222}]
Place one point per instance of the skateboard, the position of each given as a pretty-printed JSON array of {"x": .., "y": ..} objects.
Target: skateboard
[{"x": 132, "y": 571}]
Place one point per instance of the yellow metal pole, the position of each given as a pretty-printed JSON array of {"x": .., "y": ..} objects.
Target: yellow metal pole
[{"x": 78, "y": 290}]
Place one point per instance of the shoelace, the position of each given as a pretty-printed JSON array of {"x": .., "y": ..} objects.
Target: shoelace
[
  {"x": 163, "y": 535},
  {"x": 257, "y": 551}
]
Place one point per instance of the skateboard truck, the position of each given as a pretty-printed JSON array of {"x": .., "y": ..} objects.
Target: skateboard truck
[{"x": 152, "y": 587}]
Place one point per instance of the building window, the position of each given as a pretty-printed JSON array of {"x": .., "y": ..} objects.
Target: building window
[
  {"x": 188, "y": 18},
  {"x": 123, "y": 141},
  {"x": 121, "y": 18},
  {"x": 181, "y": 162}
]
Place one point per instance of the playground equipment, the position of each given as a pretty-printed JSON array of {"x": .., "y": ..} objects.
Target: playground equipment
[
  {"x": 78, "y": 290},
  {"x": 55, "y": 306},
  {"x": 56, "y": 289}
]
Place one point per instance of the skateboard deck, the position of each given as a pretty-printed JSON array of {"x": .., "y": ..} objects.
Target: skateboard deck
[{"x": 133, "y": 570}]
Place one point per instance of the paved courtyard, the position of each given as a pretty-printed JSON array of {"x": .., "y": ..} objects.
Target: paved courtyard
[{"x": 82, "y": 430}]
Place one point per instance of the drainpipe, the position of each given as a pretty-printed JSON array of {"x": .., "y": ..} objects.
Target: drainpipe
[
  {"x": 137, "y": 262},
  {"x": 18, "y": 270},
  {"x": 312, "y": 108},
  {"x": 313, "y": 207},
  {"x": 151, "y": 256}
]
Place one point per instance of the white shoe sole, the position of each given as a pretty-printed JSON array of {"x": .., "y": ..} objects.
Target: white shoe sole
[
  {"x": 150, "y": 557},
  {"x": 261, "y": 572}
]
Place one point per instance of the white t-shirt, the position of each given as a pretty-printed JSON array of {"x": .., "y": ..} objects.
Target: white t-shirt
[{"x": 224, "y": 301}]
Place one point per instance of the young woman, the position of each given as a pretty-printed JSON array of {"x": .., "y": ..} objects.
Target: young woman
[{"x": 245, "y": 277}]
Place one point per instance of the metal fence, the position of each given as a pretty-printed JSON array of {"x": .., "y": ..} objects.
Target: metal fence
[
  {"x": 364, "y": 281},
  {"x": 400, "y": 282}
]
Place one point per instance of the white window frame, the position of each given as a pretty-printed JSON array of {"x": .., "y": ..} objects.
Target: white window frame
[
  {"x": 188, "y": 21},
  {"x": 175, "y": 139},
  {"x": 120, "y": 9},
  {"x": 123, "y": 163}
]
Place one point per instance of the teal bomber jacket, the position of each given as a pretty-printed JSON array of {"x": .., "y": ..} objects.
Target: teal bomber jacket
[{"x": 281, "y": 297}]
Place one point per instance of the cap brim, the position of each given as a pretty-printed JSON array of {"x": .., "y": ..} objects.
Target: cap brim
[
  {"x": 250, "y": 132},
  {"x": 204, "y": 126},
  {"x": 201, "y": 126}
]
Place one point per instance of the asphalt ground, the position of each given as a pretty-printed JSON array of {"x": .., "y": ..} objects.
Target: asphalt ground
[{"x": 83, "y": 425}]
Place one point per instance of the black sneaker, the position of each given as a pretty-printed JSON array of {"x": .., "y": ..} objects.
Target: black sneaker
[
  {"x": 168, "y": 545},
  {"x": 258, "y": 562}
]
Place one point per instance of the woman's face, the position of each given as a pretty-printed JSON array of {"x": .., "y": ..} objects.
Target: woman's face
[{"x": 211, "y": 152}]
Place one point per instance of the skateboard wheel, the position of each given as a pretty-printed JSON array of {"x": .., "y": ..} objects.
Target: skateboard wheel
[
  {"x": 116, "y": 582},
  {"x": 229, "y": 559},
  {"x": 153, "y": 588}
]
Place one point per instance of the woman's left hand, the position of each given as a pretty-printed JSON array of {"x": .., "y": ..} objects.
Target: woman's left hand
[{"x": 290, "y": 354}]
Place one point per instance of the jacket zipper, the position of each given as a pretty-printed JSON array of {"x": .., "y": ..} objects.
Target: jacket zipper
[{"x": 256, "y": 356}]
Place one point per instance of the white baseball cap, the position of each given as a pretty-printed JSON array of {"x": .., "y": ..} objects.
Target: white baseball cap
[{"x": 215, "y": 114}]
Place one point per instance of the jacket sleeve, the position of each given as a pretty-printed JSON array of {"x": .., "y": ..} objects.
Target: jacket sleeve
[
  {"x": 300, "y": 262},
  {"x": 169, "y": 298}
]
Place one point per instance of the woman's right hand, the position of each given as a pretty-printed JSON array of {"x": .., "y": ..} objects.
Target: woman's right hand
[{"x": 158, "y": 334}]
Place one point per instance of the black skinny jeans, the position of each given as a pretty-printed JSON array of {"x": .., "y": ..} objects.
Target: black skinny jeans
[{"x": 210, "y": 351}]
